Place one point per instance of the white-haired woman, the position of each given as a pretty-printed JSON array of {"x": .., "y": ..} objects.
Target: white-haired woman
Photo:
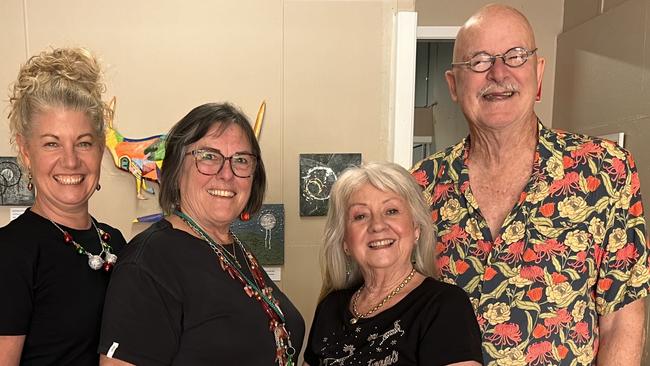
[{"x": 380, "y": 303}]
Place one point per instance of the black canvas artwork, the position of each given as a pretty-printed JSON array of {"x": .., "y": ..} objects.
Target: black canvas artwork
[
  {"x": 13, "y": 189},
  {"x": 263, "y": 234},
  {"x": 318, "y": 172}
]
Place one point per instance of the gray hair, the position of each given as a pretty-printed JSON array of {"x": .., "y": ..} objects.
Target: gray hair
[{"x": 387, "y": 177}]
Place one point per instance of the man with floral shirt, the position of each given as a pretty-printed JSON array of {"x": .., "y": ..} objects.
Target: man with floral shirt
[{"x": 543, "y": 229}]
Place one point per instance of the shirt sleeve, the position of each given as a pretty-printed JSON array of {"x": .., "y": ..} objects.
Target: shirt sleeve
[
  {"x": 17, "y": 270},
  {"x": 453, "y": 334},
  {"x": 141, "y": 323},
  {"x": 623, "y": 275}
]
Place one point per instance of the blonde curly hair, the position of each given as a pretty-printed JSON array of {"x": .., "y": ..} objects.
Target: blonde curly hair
[{"x": 61, "y": 77}]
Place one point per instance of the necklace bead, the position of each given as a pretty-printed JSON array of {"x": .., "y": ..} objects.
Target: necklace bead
[
  {"x": 104, "y": 260},
  {"x": 355, "y": 298}
]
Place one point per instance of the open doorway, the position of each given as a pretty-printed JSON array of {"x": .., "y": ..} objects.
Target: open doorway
[{"x": 438, "y": 121}]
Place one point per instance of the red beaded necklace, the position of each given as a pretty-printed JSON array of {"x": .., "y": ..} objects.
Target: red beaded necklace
[{"x": 105, "y": 259}]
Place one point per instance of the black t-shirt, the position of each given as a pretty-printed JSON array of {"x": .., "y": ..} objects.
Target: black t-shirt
[
  {"x": 433, "y": 325},
  {"x": 170, "y": 303},
  {"x": 48, "y": 292}
]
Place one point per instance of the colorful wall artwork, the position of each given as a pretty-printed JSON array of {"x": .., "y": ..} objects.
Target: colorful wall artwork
[
  {"x": 140, "y": 157},
  {"x": 263, "y": 234},
  {"x": 318, "y": 172},
  {"x": 13, "y": 189}
]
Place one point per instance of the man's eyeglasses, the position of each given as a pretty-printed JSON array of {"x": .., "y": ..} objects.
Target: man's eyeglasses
[
  {"x": 211, "y": 161},
  {"x": 483, "y": 61}
]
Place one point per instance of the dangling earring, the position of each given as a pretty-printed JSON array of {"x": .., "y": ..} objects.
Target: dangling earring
[
  {"x": 348, "y": 270},
  {"x": 30, "y": 185},
  {"x": 99, "y": 186},
  {"x": 244, "y": 216}
]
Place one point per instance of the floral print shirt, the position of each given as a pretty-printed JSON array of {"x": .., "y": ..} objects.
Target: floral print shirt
[{"x": 571, "y": 250}]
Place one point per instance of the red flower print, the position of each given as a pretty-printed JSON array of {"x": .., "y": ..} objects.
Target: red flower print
[
  {"x": 441, "y": 171},
  {"x": 540, "y": 353},
  {"x": 535, "y": 294},
  {"x": 636, "y": 209},
  {"x": 441, "y": 191},
  {"x": 566, "y": 185},
  {"x": 540, "y": 331},
  {"x": 522, "y": 197},
  {"x": 580, "y": 332},
  {"x": 461, "y": 266},
  {"x": 579, "y": 263},
  {"x": 592, "y": 183},
  {"x": 588, "y": 149},
  {"x": 635, "y": 184},
  {"x": 561, "y": 319},
  {"x": 489, "y": 273},
  {"x": 456, "y": 235},
  {"x": 421, "y": 177},
  {"x": 530, "y": 255},
  {"x": 598, "y": 255},
  {"x": 547, "y": 209},
  {"x": 532, "y": 273},
  {"x": 616, "y": 169},
  {"x": 548, "y": 249},
  {"x": 625, "y": 256},
  {"x": 434, "y": 215},
  {"x": 464, "y": 187},
  {"x": 562, "y": 351},
  {"x": 567, "y": 162},
  {"x": 513, "y": 252},
  {"x": 630, "y": 160},
  {"x": 482, "y": 249},
  {"x": 443, "y": 262},
  {"x": 604, "y": 284},
  {"x": 558, "y": 278},
  {"x": 505, "y": 334},
  {"x": 441, "y": 247}
]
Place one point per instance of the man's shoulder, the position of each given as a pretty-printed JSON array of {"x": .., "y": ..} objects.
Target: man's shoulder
[
  {"x": 449, "y": 154},
  {"x": 586, "y": 146}
]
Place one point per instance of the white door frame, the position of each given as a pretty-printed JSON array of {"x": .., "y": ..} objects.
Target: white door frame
[{"x": 406, "y": 35}]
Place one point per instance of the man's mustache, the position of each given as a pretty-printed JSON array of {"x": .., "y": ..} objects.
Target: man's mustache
[{"x": 504, "y": 87}]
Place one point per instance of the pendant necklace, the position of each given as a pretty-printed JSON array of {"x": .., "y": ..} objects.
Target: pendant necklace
[
  {"x": 355, "y": 298},
  {"x": 255, "y": 288},
  {"x": 105, "y": 259}
]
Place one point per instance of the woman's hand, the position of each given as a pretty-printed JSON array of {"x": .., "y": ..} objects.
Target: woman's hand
[
  {"x": 105, "y": 361},
  {"x": 11, "y": 347}
]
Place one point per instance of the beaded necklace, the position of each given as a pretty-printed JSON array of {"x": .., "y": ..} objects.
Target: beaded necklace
[
  {"x": 105, "y": 259},
  {"x": 255, "y": 288}
]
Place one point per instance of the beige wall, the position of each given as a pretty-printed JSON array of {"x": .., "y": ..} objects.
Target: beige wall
[
  {"x": 545, "y": 17},
  {"x": 323, "y": 67}
]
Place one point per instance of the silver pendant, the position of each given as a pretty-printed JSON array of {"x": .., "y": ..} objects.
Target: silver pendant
[
  {"x": 110, "y": 258},
  {"x": 95, "y": 262},
  {"x": 354, "y": 321}
]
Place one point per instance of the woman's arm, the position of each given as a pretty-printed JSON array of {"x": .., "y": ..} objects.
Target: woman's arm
[
  {"x": 105, "y": 361},
  {"x": 465, "y": 363},
  {"x": 11, "y": 348}
]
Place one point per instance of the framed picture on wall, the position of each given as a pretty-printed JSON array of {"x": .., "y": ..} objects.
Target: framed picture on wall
[
  {"x": 318, "y": 172},
  {"x": 13, "y": 187}
]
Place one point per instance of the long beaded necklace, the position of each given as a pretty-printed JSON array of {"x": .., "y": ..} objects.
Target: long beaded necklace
[
  {"x": 255, "y": 288},
  {"x": 355, "y": 298},
  {"x": 105, "y": 259}
]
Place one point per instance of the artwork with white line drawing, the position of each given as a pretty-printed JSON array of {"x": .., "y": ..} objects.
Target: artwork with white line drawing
[
  {"x": 263, "y": 234},
  {"x": 13, "y": 186},
  {"x": 318, "y": 172}
]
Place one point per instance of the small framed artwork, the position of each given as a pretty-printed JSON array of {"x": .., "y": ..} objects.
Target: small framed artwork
[
  {"x": 318, "y": 172},
  {"x": 263, "y": 234},
  {"x": 13, "y": 188}
]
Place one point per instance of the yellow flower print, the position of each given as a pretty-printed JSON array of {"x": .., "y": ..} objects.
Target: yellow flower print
[
  {"x": 577, "y": 240},
  {"x": 562, "y": 294},
  {"x": 538, "y": 192},
  {"x": 622, "y": 198},
  {"x": 585, "y": 355},
  {"x": 514, "y": 232},
  {"x": 639, "y": 275},
  {"x": 519, "y": 281},
  {"x": 451, "y": 211},
  {"x": 497, "y": 313},
  {"x": 511, "y": 357},
  {"x": 578, "y": 312},
  {"x": 597, "y": 230},
  {"x": 555, "y": 168},
  {"x": 573, "y": 208},
  {"x": 473, "y": 229},
  {"x": 612, "y": 149},
  {"x": 617, "y": 240}
]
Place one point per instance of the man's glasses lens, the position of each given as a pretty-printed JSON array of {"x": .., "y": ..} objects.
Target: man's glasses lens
[
  {"x": 482, "y": 62},
  {"x": 210, "y": 162}
]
